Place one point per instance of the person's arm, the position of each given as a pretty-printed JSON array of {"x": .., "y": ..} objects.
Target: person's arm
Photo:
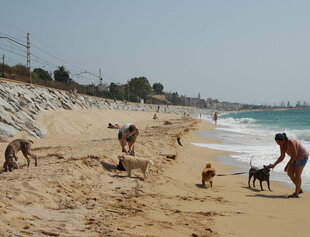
[
  {"x": 293, "y": 148},
  {"x": 137, "y": 132},
  {"x": 123, "y": 142},
  {"x": 280, "y": 159}
]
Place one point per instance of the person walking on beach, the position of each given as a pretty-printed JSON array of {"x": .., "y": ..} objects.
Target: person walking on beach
[
  {"x": 299, "y": 157},
  {"x": 215, "y": 118},
  {"x": 127, "y": 134}
]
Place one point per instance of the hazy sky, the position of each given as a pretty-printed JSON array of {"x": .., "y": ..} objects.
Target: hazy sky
[{"x": 235, "y": 50}]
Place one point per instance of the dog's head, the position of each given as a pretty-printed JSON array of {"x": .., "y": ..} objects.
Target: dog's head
[
  {"x": 266, "y": 169},
  {"x": 208, "y": 165},
  {"x": 12, "y": 163},
  {"x": 121, "y": 157},
  {"x": 211, "y": 173}
]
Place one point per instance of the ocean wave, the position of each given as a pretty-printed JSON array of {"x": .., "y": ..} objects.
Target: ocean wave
[
  {"x": 246, "y": 120},
  {"x": 303, "y": 135}
]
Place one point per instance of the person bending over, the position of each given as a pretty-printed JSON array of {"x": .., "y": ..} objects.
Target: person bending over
[
  {"x": 128, "y": 134},
  {"x": 299, "y": 157}
]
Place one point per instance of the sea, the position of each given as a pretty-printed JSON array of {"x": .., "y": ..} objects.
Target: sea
[{"x": 249, "y": 136}]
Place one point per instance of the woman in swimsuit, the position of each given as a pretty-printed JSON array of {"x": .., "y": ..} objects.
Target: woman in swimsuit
[{"x": 299, "y": 157}]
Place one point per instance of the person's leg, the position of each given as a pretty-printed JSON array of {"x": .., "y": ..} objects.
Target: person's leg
[
  {"x": 298, "y": 171},
  {"x": 120, "y": 165},
  {"x": 291, "y": 173},
  {"x": 123, "y": 144}
]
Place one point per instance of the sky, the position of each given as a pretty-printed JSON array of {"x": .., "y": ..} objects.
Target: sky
[{"x": 246, "y": 51}]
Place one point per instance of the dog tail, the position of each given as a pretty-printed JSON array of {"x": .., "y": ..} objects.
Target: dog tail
[
  {"x": 251, "y": 163},
  {"x": 30, "y": 141},
  {"x": 208, "y": 165},
  {"x": 151, "y": 162}
]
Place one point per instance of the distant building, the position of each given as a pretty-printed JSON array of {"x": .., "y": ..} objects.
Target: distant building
[{"x": 103, "y": 87}]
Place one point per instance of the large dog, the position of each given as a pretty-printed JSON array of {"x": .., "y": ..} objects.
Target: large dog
[
  {"x": 207, "y": 175},
  {"x": 11, "y": 151},
  {"x": 131, "y": 162},
  {"x": 260, "y": 174}
]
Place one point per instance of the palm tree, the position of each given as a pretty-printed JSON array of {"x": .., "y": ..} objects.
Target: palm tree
[{"x": 62, "y": 75}]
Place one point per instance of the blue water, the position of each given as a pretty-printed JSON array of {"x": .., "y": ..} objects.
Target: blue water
[{"x": 250, "y": 136}]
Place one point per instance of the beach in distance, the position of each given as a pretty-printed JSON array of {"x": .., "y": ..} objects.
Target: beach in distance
[{"x": 76, "y": 189}]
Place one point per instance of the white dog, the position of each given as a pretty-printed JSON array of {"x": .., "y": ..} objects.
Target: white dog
[{"x": 131, "y": 162}]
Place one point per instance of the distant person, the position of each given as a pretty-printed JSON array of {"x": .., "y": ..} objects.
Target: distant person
[
  {"x": 299, "y": 157},
  {"x": 110, "y": 125},
  {"x": 74, "y": 91},
  {"x": 215, "y": 118},
  {"x": 158, "y": 108},
  {"x": 155, "y": 116},
  {"x": 127, "y": 134}
]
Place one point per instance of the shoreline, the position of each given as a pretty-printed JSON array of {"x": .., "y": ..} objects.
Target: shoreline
[
  {"x": 244, "y": 167},
  {"x": 259, "y": 210}
]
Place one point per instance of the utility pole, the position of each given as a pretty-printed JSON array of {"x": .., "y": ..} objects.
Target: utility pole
[
  {"x": 100, "y": 78},
  {"x": 28, "y": 57},
  {"x": 127, "y": 91},
  {"x": 28, "y": 50},
  {"x": 3, "y": 65}
]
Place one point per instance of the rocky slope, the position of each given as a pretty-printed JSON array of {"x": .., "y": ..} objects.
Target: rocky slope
[{"x": 21, "y": 103}]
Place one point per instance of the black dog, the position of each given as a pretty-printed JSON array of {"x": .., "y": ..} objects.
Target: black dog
[{"x": 260, "y": 174}]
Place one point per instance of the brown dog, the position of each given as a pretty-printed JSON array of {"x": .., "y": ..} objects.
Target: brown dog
[
  {"x": 11, "y": 151},
  {"x": 207, "y": 175}
]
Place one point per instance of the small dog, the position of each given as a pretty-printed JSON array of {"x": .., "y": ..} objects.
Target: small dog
[
  {"x": 260, "y": 174},
  {"x": 207, "y": 175},
  {"x": 11, "y": 151},
  {"x": 131, "y": 162}
]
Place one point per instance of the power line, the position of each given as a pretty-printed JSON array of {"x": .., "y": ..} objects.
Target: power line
[
  {"x": 12, "y": 37},
  {"x": 56, "y": 57},
  {"x": 12, "y": 52},
  {"x": 41, "y": 60}
]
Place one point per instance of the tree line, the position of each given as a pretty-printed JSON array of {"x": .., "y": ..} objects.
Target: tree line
[{"x": 135, "y": 90}]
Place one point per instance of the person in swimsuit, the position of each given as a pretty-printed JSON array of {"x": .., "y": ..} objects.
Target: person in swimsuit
[
  {"x": 215, "y": 118},
  {"x": 299, "y": 157},
  {"x": 110, "y": 125}
]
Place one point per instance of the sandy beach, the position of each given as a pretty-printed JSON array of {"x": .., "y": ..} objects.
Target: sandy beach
[{"x": 76, "y": 190}]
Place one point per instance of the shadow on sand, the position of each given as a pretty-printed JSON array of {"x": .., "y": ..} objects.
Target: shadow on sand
[
  {"x": 269, "y": 196},
  {"x": 200, "y": 186},
  {"x": 108, "y": 166},
  {"x": 258, "y": 194}
]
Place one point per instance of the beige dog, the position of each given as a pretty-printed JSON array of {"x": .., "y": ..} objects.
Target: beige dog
[
  {"x": 207, "y": 175},
  {"x": 131, "y": 162},
  {"x": 11, "y": 151}
]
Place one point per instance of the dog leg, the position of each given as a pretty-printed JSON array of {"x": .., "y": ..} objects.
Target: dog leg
[
  {"x": 254, "y": 179},
  {"x": 211, "y": 182},
  {"x": 250, "y": 176},
  {"x": 203, "y": 183},
  {"x": 5, "y": 166},
  {"x": 27, "y": 158},
  {"x": 28, "y": 152},
  {"x": 268, "y": 185},
  {"x": 261, "y": 185},
  {"x": 146, "y": 173},
  {"x": 129, "y": 172},
  {"x": 34, "y": 157}
]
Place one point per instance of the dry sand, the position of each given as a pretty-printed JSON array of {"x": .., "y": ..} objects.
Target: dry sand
[{"x": 76, "y": 191}]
